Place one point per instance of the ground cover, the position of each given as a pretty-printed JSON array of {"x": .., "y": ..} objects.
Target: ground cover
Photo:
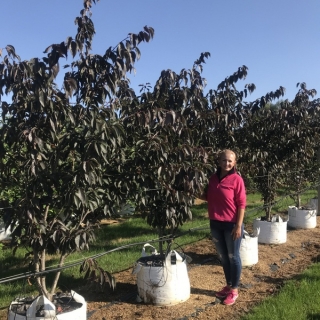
[{"x": 277, "y": 264}]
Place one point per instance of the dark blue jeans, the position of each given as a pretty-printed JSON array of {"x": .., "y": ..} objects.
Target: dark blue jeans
[{"x": 228, "y": 250}]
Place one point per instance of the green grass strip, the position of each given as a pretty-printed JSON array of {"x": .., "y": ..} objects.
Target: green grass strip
[{"x": 298, "y": 299}]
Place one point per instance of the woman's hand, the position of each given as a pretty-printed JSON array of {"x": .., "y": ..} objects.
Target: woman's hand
[{"x": 236, "y": 232}]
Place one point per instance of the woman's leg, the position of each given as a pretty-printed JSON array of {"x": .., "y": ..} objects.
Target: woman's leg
[
  {"x": 219, "y": 241},
  {"x": 228, "y": 251},
  {"x": 233, "y": 248}
]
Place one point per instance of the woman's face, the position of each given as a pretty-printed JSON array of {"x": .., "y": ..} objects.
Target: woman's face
[{"x": 227, "y": 161}]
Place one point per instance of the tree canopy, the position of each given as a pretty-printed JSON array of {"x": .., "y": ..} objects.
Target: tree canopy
[{"x": 62, "y": 159}]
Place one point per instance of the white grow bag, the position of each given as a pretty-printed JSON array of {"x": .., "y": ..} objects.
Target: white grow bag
[
  {"x": 271, "y": 232},
  {"x": 302, "y": 219},
  {"x": 4, "y": 234},
  {"x": 162, "y": 282},
  {"x": 313, "y": 203},
  {"x": 49, "y": 310},
  {"x": 249, "y": 249}
]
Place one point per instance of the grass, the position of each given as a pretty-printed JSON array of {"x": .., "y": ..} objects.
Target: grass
[
  {"x": 298, "y": 299},
  {"x": 134, "y": 232},
  {"x": 255, "y": 209}
]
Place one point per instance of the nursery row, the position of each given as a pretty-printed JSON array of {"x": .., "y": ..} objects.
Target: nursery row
[
  {"x": 75, "y": 155},
  {"x": 167, "y": 294}
]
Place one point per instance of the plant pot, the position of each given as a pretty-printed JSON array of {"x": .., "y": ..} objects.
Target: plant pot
[
  {"x": 66, "y": 307},
  {"x": 249, "y": 249},
  {"x": 300, "y": 218},
  {"x": 162, "y": 280},
  {"x": 271, "y": 232},
  {"x": 313, "y": 203},
  {"x": 4, "y": 234}
]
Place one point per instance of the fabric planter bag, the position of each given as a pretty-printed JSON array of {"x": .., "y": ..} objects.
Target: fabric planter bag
[
  {"x": 313, "y": 203},
  {"x": 249, "y": 248},
  {"x": 162, "y": 280},
  {"x": 302, "y": 218},
  {"x": 43, "y": 309},
  {"x": 4, "y": 234},
  {"x": 271, "y": 232}
]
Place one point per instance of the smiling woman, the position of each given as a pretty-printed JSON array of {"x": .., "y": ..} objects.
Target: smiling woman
[
  {"x": 227, "y": 161},
  {"x": 226, "y": 198}
]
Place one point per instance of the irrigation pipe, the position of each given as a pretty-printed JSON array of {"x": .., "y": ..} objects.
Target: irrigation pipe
[
  {"x": 264, "y": 206},
  {"x": 70, "y": 265}
]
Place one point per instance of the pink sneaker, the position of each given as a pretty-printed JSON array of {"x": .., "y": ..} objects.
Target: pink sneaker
[
  {"x": 231, "y": 298},
  {"x": 223, "y": 293}
]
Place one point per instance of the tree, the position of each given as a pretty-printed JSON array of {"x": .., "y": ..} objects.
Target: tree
[
  {"x": 175, "y": 131},
  {"x": 305, "y": 135},
  {"x": 64, "y": 158},
  {"x": 166, "y": 162},
  {"x": 226, "y": 112},
  {"x": 274, "y": 140}
]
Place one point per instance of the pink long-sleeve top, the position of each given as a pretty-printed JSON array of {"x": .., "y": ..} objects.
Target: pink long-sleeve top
[{"x": 225, "y": 197}]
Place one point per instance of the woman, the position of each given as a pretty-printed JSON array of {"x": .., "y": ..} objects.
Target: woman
[{"x": 226, "y": 198}]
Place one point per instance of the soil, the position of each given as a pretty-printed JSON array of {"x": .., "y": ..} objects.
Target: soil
[{"x": 276, "y": 264}]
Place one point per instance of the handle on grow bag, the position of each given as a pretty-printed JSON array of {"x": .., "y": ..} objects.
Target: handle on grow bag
[
  {"x": 173, "y": 257},
  {"x": 256, "y": 232},
  {"x": 138, "y": 265},
  {"x": 48, "y": 308},
  {"x": 143, "y": 252},
  {"x": 245, "y": 234},
  {"x": 136, "y": 268},
  {"x": 314, "y": 212}
]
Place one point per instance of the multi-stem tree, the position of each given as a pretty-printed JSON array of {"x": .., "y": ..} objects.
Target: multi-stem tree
[
  {"x": 274, "y": 140},
  {"x": 304, "y": 135},
  {"x": 166, "y": 161},
  {"x": 61, "y": 150}
]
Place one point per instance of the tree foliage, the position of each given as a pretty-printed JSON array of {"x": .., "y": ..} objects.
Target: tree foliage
[
  {"x": 62, "y": 158},
  {"x": 166, "y": 161},
  {"x": 278, "y": 144}
]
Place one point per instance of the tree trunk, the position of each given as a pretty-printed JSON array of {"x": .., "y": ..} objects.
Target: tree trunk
[
  {"x": 160, "y": 233},
  {"x": 57, "y": 275},
  {"x": 268, "y": 212},
  {"x": 39, "y": 265},
  {"x": 299, "y": 201}
]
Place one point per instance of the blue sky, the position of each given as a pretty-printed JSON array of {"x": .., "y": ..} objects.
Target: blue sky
[{"x": 278, "y": 40}]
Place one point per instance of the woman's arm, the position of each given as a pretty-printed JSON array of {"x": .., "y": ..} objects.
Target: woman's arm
[
  {"x": 236, "y": 232},
  {"x": 241, "y": 199}
]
